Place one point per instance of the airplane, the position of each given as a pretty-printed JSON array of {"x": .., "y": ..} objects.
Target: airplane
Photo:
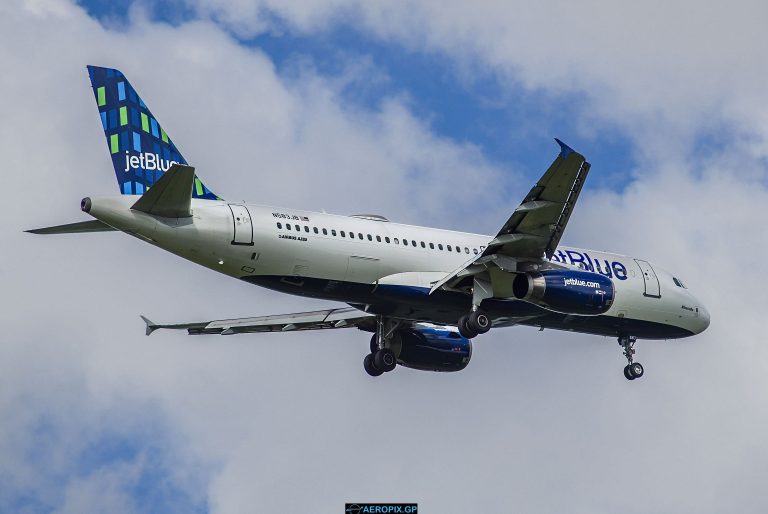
[{"x": 423, "y": 293}]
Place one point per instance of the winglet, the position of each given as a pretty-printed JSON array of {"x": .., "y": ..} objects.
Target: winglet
[
  {"x": 565, "y": 150},
  {"x": 151, "y": 327}
]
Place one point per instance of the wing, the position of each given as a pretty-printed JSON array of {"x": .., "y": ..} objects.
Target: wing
[
  {"x": 534, "y": 229},
  {"x": 316, "y": 320}
]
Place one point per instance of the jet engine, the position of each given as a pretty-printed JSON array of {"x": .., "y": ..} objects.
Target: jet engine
[
  {"x": 434, "y": 349},
  {"x": 566, "y": 291}
]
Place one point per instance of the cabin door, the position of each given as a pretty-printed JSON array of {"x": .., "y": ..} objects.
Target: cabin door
[
  {"x": 243, "y": 226},
  {"x": 649, "y": 277}
]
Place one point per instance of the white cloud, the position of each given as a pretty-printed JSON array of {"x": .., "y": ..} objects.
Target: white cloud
[
  {"x": 663, "y": 72},
  {"x": 539, "y": 421}
]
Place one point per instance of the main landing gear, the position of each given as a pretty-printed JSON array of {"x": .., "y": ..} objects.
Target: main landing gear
[
  {"x": 475, "y": 323},
  {"x": 384, "y": 343},
  {"x": 633, "y": 369}
]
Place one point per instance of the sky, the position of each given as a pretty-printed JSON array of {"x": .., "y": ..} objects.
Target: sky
[{"x": 429, "y": 112}]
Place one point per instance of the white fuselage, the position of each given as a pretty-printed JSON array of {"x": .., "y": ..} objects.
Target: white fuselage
[{"x": 258, "y": 243}]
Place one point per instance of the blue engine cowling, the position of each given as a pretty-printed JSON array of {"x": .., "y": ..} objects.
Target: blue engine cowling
[
  {"x": 434, "y": 349},
  {"x": 566, "y": 291}
]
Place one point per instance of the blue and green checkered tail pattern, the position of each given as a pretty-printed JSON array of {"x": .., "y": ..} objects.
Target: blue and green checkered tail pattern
[{"x": 141, "y": 150}]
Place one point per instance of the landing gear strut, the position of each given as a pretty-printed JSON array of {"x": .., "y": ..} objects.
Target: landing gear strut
[
  {"x": 384, "y": 343},
  {"x": 633, "y": 369}
]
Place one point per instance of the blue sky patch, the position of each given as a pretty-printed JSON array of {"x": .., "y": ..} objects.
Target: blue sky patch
[{"x": 512, "y": 126}]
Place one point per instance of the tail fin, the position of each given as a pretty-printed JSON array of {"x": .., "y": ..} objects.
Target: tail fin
[{"x": 141, "y": 150}]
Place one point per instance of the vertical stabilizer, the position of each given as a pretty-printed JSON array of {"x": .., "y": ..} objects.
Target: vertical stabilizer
[{"x": 140, "y": 148}]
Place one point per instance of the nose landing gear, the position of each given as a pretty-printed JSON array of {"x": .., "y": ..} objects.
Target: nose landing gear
[{"x": 633, "y": 369}]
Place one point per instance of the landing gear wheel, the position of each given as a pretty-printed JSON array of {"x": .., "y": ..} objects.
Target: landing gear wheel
[
  {"x": 384, "y": 360},
  {"x": 464, "y": 330},
  {"x": 479, "y": 322},
  {"x": 628, "y": 373},
  {"x": 636, "y": 370},
  {"x": 369, "y": 367}
]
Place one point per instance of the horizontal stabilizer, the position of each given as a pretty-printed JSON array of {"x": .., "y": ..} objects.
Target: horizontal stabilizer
[
  {"x": 74, "y": 228},
  {"x": 171, "y": 196}
]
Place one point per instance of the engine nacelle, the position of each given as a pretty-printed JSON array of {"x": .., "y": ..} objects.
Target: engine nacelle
[
  {"x": 566, "y": 291},
  {"x": 434, "y": 349}
]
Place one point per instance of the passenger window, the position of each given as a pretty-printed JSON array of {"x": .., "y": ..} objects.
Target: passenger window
[
  {"x": 397, "y": 241},
  {"x": 325, "y": 232},
  {"x": 439, "y": 246},
  {"x": 475, "y": 250},
  {"x": 431, "y": 246},
  {"x": 378, "y": 238},
  {"x": 306, "y": 228},
  {"x": 386, "y": 239},
  {"x": 370, "y": 238},
  {"x": 413, "y": 243},
  {"x": 288, "y": 226},
  {"x": 333, "y": 231},
  {"x": 449, "y": 247},
  {"x": 279, "y": 225},
  {"x": 342, "y": 234},
  {"x": 466, "y": 250},
  {"x": 360, "y": 235},
  {"x": 458, "y": 249},
  {"x": 423, "y": 245},
  {"x": 315, "y": 229}
]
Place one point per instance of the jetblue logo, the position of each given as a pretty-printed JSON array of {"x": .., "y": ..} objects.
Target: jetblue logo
[
  {"x": 584, "y": 261},
  {"x": 582, "y": 283},
  {"x": 147, "y": 161}
]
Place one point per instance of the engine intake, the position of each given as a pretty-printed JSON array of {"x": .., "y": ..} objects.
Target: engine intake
[
  {"x": 566, "y": 291},
  {"x": 434, "y": 349}
]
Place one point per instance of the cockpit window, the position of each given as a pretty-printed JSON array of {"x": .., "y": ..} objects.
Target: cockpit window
[{"x": 679, "y": 283}]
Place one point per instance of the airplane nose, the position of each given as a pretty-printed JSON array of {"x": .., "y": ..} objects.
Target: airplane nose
[{"x": 703, "y": 319}]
